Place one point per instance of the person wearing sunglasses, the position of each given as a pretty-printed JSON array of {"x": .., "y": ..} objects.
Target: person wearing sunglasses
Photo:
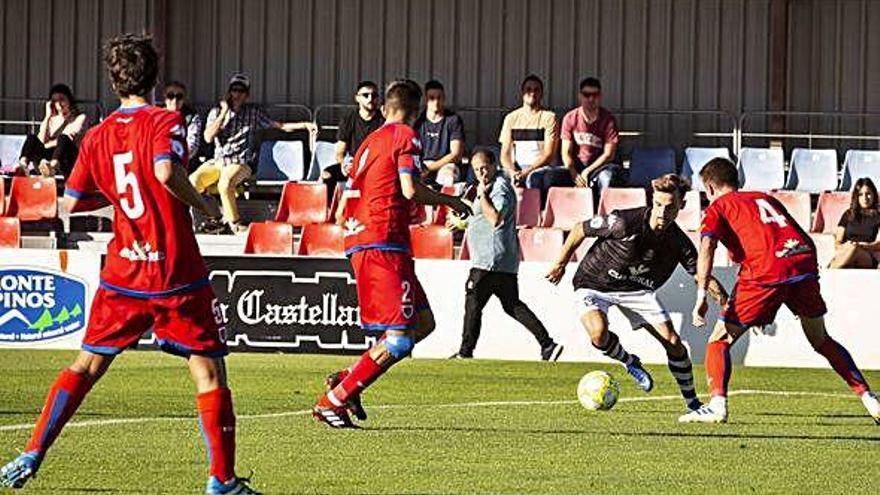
[
  {"x": 353, "y": 129},
  {"x": 234, "y": 126},
  {"x": 176, "y": 101},
  {"x": 55, "y": 147},
  {"x": 589, "y": 141}
]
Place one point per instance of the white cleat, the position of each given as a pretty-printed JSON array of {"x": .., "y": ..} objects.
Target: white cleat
[
  {"x": 872, "y": 404},
  {"x": 704, "y": 414}
]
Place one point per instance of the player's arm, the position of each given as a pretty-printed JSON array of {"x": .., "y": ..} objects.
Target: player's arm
[
  {"x": 413, "y": 189},
  {"x": 175, "y": 180},
  {"x": 708, "y": 244},
  {"x": 83, "y": 203},
  {"x": 575, "y": 238},
  {"x": 80, "y": 191}
]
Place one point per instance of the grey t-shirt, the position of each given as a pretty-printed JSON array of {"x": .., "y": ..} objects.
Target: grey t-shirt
[{"x": 493, "y": 248}]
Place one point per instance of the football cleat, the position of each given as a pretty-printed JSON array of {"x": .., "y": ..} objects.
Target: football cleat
[
  {"x": 19, "y": 471},
  {"x": 334, "y": 417},
  {"x": 551, "y": 352},
  {"x": 872, "y": 404},
  {"x": 235, "y": 486},
  {"x": 704, "y": 414},
  {"x": 354, "y": 402},
  {"x": 640, "y": 374}
]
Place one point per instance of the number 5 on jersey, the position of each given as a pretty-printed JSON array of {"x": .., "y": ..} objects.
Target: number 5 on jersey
[{"x": 133, "y": 207}]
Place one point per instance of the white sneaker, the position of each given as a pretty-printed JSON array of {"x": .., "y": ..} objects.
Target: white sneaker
[
  {"x": 872, "y": 404},
  {"x": 705, "y": 414}
]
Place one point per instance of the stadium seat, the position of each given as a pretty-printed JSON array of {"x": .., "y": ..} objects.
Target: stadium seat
[
  {"x": 33, "y": 199},
  {"x": 695, "y": 158},
  {"x": 824, "y": 248},
  {"x": 10, "y": 149},
  {"x": 302, "y": 203},
  {"x": 539, "y": 243},
  {"x": 691, "y": 215},
  {"x": 10, "y": 232},
  {"x": 431, "y": 242},
  {"x": 323, "y": 157},
  {"x": 282, "y": 161},
  {"x": 812, "y": 171},
  {"x": 798, "y": 205},
  {"x": 621, "y": 198},
  {"x": 567, "y": 206},
  {"x": 269, "y": 238},
  {"x": 761, "y": 169},
  {"x": 2, "y": 196},
  {"x": 334, "y": 202},
  {"x": 322, "y": 239},
  {"x": 438, "y": 213},
  {"x": 528, "y": 207},
  {"x": 646, "y": 164},
  {"x": 830, "y": 208},
  {"x": 858, "y": 164}
]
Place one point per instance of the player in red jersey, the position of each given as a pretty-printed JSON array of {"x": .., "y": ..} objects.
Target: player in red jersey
[
  {"x": 376, "y": 215},
  {"x": 154, "y": 275},
  {"x": 778, "y": 267}
]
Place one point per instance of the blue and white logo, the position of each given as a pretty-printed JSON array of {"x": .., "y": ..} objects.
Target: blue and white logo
[{"x": 37, "y": 305}]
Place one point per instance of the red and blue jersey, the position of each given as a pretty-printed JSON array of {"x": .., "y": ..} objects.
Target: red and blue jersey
[
  {"x": 153, "y": 252},
  {"x": 760, "y": 234},
  {"x": 377, "y": 215}
]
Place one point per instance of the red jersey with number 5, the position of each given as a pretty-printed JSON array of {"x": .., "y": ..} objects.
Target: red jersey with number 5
[
  {"x": 377, "y": 214},
  {"x": 760, "y": 234},
  {"x": 154, "y": 251}
]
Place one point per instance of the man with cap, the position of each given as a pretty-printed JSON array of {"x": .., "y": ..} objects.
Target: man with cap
[{"x": 233, "y": 127}]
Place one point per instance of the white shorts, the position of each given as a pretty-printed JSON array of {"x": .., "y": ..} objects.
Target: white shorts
[{"x": 639, "y": 307}]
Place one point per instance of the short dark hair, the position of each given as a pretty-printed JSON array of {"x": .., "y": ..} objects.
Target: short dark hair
[
  {"x": 671, "y": 183},
  {"x": 366, "y": 84},
  {"x": 433, "y": 84},
  {"x": 590, "y": 82},
  {"x": 485, "y": 153},
  {"x": 720, "y": 172},
  {"x": 531, "y": 78},
  {"x": 175, "y": 83},
  {"x": 403, "y": 94},
  {"x": 132, "y": 63}
]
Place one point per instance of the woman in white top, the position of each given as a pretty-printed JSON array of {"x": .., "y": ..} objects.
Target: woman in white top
[{"x": 54, "y": 148}]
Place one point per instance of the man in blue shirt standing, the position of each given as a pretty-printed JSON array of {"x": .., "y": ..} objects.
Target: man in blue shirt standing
[{"x": 494, "y": 249}]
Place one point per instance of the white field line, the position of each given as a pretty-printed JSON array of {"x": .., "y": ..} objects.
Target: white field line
[{"x": 460, "y": 405}]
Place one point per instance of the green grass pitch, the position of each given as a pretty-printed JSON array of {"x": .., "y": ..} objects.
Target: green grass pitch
[{"x": 446, "y": 427}]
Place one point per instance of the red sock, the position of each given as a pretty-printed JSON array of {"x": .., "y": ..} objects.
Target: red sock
[
  {"x": 718, "y": 367},
  {"x": 364, "y": 372},
  {"x": 64, "y": 398},
  {"x": 844, "y": 365},
  {"x": 217, "y": 421}
]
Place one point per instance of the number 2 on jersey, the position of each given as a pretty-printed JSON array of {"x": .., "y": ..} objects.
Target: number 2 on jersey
[
  {"x": 769, "y": 214},
  {"x": 133, "y": 207}
]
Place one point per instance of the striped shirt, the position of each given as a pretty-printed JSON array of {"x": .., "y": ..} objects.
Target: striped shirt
[{"x": 236, "y": 142}]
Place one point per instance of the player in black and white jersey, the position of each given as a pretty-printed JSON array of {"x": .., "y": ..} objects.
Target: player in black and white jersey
[{"x": 635, "y": 253}]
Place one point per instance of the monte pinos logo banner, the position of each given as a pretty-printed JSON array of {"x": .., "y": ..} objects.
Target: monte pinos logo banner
[{"x": 38, "y": 305}]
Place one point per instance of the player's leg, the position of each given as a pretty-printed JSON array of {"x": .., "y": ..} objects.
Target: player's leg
[
  {"x": 678, "y": 360},
  {"x": 718, "y": 370},
  {"x": 506, "y": 287},
  {"x": 477, "y": 294}
]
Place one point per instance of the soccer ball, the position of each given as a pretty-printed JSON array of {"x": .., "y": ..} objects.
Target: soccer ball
[
  {"x": 598, "y": 391},
  {"x": 459, "y": 222}
]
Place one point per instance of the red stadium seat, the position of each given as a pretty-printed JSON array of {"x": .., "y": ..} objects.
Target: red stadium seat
[
  {"x": 438, "y": 213},
  {"x": 824, "y": 248},
  {"x": 567, "y": 206},
  {"x": 334, "y": 202},
  {"x": 269, "y": 238},
  {"x": 431, "y": 242},
  {"x": 528, "y": 207},
  {"x": 691, "y": 215},
  {"x": 621, "y": 198},
  {"x": 540, "y": 243},
  {"x": 2, "y": 196},
  {"x": 798, "y": 205},
  {"x": 322, "y": 239},
  {"x": 302, "y": 203},
  {"x": 32, "y": 199},
  {"x": 832, "y": 206},
  {"x": 10, "y": 232}
]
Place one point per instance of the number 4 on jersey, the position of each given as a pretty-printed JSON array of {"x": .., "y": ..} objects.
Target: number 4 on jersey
[{"x": 769, "y": 214}]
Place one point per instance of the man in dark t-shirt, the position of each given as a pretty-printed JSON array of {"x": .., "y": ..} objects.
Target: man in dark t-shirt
[
  {"x": 442, "y": 134},
  {"x": 636, "y": 252}
]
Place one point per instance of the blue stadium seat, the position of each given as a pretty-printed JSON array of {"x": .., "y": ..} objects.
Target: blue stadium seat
[
  {"x": 323, "y": 157},
  {"x": 282, "y": 161},
  {"x": 10, "y": 149},
  {"x": 858, "y": 164},
  {"x": 695, "y": 158},
  {"x": 647, "y": 164},
  {"x": 761, "y": 169},
  {"x": 812, "y": 171}
]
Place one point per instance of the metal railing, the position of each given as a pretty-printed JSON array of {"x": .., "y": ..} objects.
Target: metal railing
[
  {"x": 33, "y": 111},
  {"x": 811, "y": 133}
]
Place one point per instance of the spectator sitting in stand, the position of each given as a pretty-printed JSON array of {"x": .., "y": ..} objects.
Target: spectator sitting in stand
[
  {"x": 55, "y": 147},
  {"x": 856, "y": 240},
  {"x": 233, "y": 126},
  {"x": 176, "y": 101},
  {"x": 442, "y": 134}
]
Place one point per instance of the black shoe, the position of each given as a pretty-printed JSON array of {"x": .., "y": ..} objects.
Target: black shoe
[
  {"x": 551, "y": 352},
  {"x": 459, "y": 355},
  {"x": 213, "y": 226},
  {"x": 354, "y": 402}
]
